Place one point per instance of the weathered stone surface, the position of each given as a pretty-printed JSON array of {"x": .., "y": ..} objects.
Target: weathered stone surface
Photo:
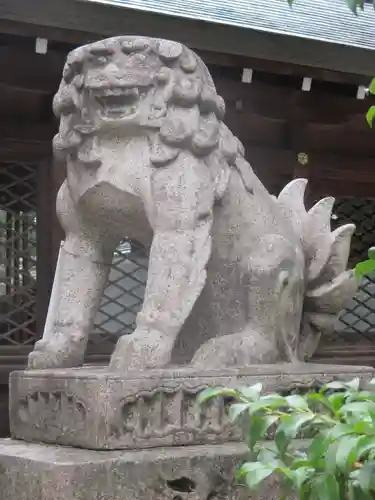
[
  {"x": 148, "y": 156},
  {"x": 41, "y": 472},
  {"x": 95, "y": 408}
]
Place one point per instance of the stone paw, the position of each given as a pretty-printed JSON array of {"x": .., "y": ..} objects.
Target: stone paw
[
  {"x": 60, "y": 352},
  {"x": 242, "y": 349},
  {"x": 141, "y": 350}
]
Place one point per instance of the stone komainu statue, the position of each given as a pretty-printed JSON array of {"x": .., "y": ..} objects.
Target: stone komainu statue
[{"x": 236, "y": 276}]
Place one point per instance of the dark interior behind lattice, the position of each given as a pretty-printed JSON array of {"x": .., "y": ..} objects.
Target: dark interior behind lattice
[
  {"x": 18, "y": 254},
  {"x": 357, "y": 321}
]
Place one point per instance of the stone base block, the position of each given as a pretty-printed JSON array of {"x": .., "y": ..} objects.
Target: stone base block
[
  {"x": 94, "y": 408},
  {"x": 31, "y": 471}
]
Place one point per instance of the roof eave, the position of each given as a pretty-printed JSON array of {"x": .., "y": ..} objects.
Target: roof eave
[{"x": 90, "y": 20}]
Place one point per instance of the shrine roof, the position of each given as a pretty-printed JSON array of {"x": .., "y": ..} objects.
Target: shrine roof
[{"x": 324, "y": 20}]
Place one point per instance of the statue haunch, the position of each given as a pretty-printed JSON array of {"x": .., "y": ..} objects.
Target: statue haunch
[{"x": 236, "y": 276}]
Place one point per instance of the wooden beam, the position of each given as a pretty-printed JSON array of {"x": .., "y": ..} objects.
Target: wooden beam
[
  {"x": 28, "y": 132},
  {"x": 280, "y": 102},
  {"x": 30, "y": 71},
  {"x": 73, "y": 19},
  {"x": 280, "y": 68},
  {"x": 25, "y": 142}
]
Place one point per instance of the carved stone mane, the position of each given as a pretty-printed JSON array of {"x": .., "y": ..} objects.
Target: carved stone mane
[{"x": 236, "y": 276}]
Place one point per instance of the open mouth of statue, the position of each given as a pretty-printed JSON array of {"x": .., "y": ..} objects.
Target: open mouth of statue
[{"x": 118, "y": 102}]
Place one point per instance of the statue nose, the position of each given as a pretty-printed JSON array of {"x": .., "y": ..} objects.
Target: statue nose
[{"x": 112, "y": 70}]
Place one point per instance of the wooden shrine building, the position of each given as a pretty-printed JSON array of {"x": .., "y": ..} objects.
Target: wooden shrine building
[{"x": 294, "y": 82}]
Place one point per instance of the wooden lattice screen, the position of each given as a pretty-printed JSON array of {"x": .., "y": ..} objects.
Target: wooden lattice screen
[
  {"x": 18, "y": 253},
  {"x": 357, "y": 322},
  {"x": 125, "y": 288},
  {"x": 19, "y": 217},
  {"x": 123, "y": 295}
]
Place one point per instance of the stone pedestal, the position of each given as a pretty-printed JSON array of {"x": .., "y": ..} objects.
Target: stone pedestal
[
  {"x": 195, "y": 452},
  {"x": 31, "y": 471},
  {"x": 94, "y": 408}
]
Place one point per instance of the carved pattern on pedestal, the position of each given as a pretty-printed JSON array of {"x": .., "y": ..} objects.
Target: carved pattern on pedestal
[
  {"x": 171, "y": 411},
  {"x": 55, "y": 409}
]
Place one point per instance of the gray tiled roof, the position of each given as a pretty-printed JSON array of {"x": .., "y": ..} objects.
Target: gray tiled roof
[{"x": 325, "y": 20}]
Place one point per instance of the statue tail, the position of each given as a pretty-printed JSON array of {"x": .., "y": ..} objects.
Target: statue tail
[{"x": 328, "y": 282}]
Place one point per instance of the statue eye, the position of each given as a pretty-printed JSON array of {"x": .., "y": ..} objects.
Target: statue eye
[
  {"x": 102, "y": 60},
  {"x": 283, "y": 280},
  {"x": 98, "y": 59}
]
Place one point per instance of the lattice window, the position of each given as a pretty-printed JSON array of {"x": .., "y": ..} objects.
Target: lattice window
[
  {"x": 357, "y": 321},
  {"x": 17, "y": 254},
  {"x": 361, "y": 212},
  {"x": 123, "y": 295},
  {"x": 125, "y": 288}
]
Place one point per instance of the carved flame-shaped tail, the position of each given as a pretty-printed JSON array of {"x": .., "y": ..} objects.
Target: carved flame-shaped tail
[{"x": 328, "y": 282}]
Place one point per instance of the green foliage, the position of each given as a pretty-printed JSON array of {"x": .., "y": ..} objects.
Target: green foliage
[
  {"x": 339, "y": 461},
  {"x": 366, "y": 267},
  {"x": 354, "y": 5},
  {"x": 370, "y": 115}
]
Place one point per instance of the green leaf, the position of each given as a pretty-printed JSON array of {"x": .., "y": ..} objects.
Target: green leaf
[
  {"x": 353, "y": 6},
  {"x": 266, "y": 455},
  {"x": 289, "y": 427},
  {"x": 235, "y": 410},
  {"x": 339, "y": 430},
  {"x": 365, "y": 445},
  {"x": 297, "y": 402},
  {"x": 254, "y": 473},
  {"x": 316, "y": 397},
  {"x": 327, "y": 488},
  {"x": 361, "y": 4},
  {"x": 272, "y": 401},
  {"x": 365, "y": 267},
  {"x": 252, "y": 392},
  {"x": 337, "y": 400},
  {"x": 356, "y": 493},
  {"x": 214, "y": 392},
  {"x": 305, "y": 492},
  {"x": 365, "y": 396},
  {"x": 330, "y": 457},
  {"x": 358, "y": 407},
  {"x": 301, "y": 475},
  {"x": 258, "y": 427},
  {"x": 317, "y": 448},
  {"x": 370, "y": 115},
  {"x": 372, "y": 91},
  {"x": 346, "y": 452},
  {"x": 364, "y": 428},
  {"x": 365, "y": 477}
]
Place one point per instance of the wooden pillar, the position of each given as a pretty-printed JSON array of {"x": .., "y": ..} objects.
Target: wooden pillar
[
  {"x": 297, "y": 142},
  {"x": 44, "y": 266}
]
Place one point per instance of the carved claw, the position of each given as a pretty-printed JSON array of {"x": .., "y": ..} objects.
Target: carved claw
[
  {"x": 142, "y": 350},
  {"x": 61, "y": 351}
]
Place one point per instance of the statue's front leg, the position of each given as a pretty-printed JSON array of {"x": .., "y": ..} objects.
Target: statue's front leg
[
  {"x": 182, "y": 201},
  {"x": 82, "y": 271}
]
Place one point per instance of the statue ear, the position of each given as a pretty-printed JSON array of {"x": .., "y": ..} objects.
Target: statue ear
[
  {"x": 179, "y": 126},
  {"x": 273, "y": 251},
  {"x": 161, "y": 154}
]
